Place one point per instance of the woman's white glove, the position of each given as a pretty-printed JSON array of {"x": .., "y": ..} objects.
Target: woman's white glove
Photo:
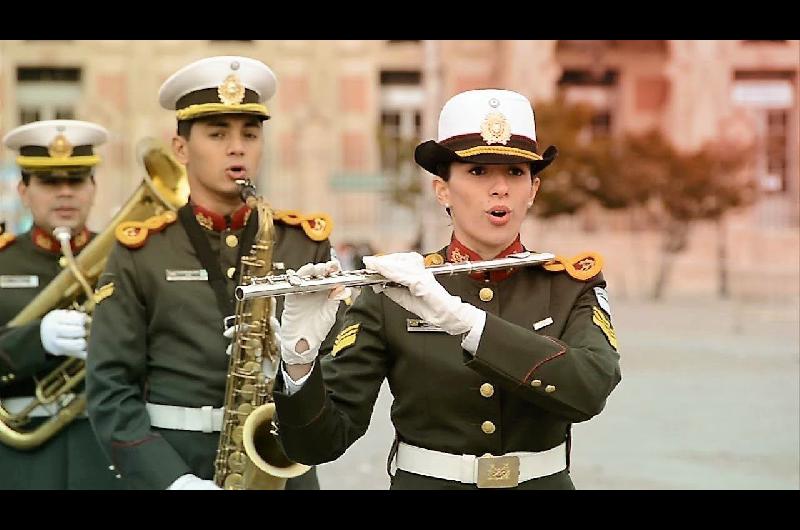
[
  {"x": 63, "y": 332},
  {"x": 422, "y": 294},
  {"x": 309, "y": 316},
  {"x": 192, "y": 482}
]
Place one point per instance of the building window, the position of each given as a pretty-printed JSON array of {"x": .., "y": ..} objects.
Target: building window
[
  {"x": 595, "y": 88},
  {"x": 776, "y": 142},
  {"x": 47, "y": 93},
  {"x": 400, "y": 127},
  {"x": 28, "y": 115},
  {"x": 601, "y": 124}
]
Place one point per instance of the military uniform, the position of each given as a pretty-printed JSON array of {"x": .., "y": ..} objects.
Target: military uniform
[
  {"x": 542, "y": 364},
  {"x": 159, "y": 341},
  {"x": 72, "y": 459},
  {"x": 492, "y": 407}
]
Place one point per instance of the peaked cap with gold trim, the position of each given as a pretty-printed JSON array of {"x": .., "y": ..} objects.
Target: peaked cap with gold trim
[
  {"x": 487, "y": 127},
  {"x": 219, "y": 85},
  {"x": 59, "y": 148}
]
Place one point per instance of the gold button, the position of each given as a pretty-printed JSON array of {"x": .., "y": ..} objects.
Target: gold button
[
  {"x": 487, "y": 390},
  {"x": 487, "y": 427},
  {"x": 231, "y": 272},
  {"x": 62, "y": 261},
  {"x": 536, "y": 382},
  {"x": 231, "y": 240},
  {"x": 486, "y": 294},
  {"x": 549, "y": 388}
]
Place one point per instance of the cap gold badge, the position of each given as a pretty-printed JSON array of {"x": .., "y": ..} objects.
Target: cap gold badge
[{"x": 495, "y": 129}]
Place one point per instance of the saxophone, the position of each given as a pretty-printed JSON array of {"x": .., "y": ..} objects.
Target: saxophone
[
  {"x": 163, "y": 188},
  {"x": 249, "y": 455}
]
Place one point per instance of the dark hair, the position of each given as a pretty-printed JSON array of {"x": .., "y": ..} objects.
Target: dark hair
[{"x": 185, "y": 128}]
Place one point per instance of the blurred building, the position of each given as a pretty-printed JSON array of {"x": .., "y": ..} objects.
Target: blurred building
[{"x": 348, "y": 113}]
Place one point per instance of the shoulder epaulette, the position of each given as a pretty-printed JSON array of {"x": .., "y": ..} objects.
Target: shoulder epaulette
[
  {"x": 582, "y": 267},
  {"x": 433, "y": 259},
  {"x": 6, "y": 240},
  {"x": 134, "y": 234},
  {"x": 317, "y": 226}
]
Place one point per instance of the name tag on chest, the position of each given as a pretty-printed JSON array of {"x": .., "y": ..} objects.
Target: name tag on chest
[
  {"x": 199, "y": 275},
  {"x": 18, "y": 281},
  {"x": 418, "y": 325}
]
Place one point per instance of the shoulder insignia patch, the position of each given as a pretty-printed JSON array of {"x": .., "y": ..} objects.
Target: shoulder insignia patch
[
  {"x": 6, "y": 240},
  {"x": 133, "y": 234},
  {"x": 103, "y": 292},
  {"x": 602, "y": 322},
  {"x": 317, "y": 226},
  {"x": 345, "y": 338},
  {"x": 431, "y": 260},
  {"x": 582, "y": 267}
]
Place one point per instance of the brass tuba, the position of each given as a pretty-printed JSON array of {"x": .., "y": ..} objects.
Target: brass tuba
[
  {"x": 249, "y": 455},
  {"x": 163, "y": 188}
]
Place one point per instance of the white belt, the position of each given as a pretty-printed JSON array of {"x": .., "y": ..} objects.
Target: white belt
[
  {"x": 202, "y": 419},
  {"x": 15, "y": 405},
  {"x": 486, "y": 471}
]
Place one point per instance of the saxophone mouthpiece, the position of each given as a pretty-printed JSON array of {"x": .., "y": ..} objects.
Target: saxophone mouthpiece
[{"x": 247, "y": 191}]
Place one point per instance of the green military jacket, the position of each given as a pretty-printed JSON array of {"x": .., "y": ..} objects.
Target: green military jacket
[
  {"x": 160, "y": 341},
  {"x": 543, "y": 363},
  {"x": 72, "y": 459},
  {"x": 26, "y": 268}
]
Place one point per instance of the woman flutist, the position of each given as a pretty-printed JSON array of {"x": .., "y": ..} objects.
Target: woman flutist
[{"x": 488, "y": 370}]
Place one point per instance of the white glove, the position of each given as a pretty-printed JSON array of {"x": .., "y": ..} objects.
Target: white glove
[
  {"x": 310, "y": 316},
  {"x": 192, "y": 482},
  {"x": 424, "y": 296},
  {"x": 63, "y": 332}
]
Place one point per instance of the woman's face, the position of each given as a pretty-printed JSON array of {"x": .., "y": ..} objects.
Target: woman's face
[{"x": 487, "y": 202}]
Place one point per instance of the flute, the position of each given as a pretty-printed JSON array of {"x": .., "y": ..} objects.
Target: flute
[{"x": 292, "y": 283}]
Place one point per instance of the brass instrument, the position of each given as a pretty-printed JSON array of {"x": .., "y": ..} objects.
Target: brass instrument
[
  {"x": 164, "y": 187},
  {"x": 291, "y": 283},
  {"x": 249, "y": 455}
]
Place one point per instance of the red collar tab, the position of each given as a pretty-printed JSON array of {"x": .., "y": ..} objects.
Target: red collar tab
[
  {"x": 458, "y": 252},
  {"x": 46, "y": 241},
  {"x": 213, "y": 221}
]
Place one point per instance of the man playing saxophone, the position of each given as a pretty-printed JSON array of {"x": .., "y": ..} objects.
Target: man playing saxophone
[
  {"x": 57, "y": 161},
  {"x": 158, "y": 365}
]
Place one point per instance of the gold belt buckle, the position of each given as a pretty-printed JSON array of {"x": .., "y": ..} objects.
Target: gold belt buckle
[{"x": 498, "y": 471}]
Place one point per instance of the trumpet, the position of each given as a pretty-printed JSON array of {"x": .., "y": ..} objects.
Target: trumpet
[{"x": 292, "y": 283}]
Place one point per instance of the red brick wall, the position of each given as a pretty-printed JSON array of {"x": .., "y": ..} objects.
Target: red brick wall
[
  {"x": 652, "y": 93},
  {"x": 354, "y": 147},
  {"x": 113, "y": 89},
  {"x": 353, "y": 92},
  {"x": 292, "y": 92}
]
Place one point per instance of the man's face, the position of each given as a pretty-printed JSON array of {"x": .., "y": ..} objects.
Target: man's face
[
  {"x": 220, "y": 150},
  {"x": 58, "y": 201}
]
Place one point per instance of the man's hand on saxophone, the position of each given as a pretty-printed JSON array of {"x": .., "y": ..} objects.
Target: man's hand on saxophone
[{"x": 308, "y": 318}]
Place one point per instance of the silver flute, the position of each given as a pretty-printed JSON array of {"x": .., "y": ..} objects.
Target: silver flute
[{"x": 292, "y": 283}]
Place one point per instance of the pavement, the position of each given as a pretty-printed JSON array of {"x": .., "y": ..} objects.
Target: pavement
[{"x": 710, "y": 399}]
